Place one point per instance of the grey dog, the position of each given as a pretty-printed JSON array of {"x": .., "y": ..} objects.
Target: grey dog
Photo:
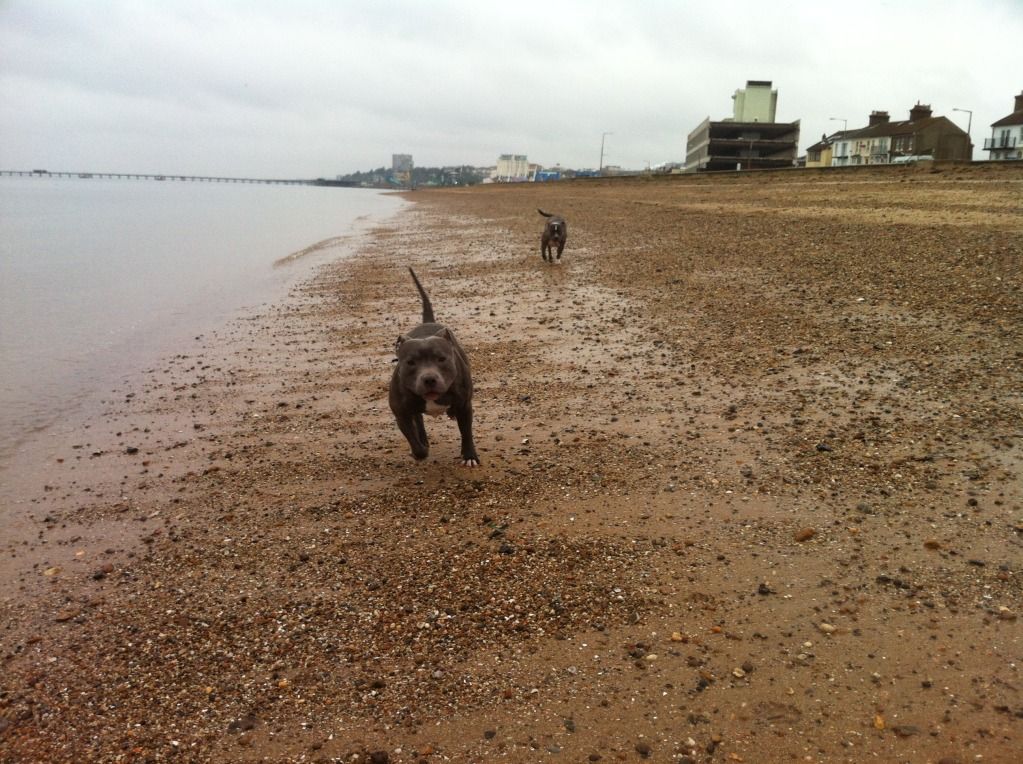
[
  {"x": 432, "y": 377},
  {"x": 555, "y": 234}
]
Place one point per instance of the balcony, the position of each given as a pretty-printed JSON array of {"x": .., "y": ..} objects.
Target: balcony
[{"x": 1001, "y": 142}]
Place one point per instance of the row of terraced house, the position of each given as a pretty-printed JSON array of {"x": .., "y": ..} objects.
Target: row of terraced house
[{"x": 922, "y": 136}]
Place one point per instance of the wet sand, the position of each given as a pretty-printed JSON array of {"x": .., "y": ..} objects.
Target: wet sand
[{"x": 751, "y": 491}]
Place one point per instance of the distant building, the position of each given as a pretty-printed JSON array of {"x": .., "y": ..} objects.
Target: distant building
[
  {"x": 921, "y": 137},
  {"x": 401, "y": 170},
  {"x": 751, "y": 139},
  {"x": 401, "y": 163},
  {"x": 512, "y": 168},
  {"x": 1006, "y": 141},
  {"x": 819, "y": 154},
  {"x": 757, "y": 102}
]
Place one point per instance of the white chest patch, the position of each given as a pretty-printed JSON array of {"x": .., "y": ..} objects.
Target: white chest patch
[{"x": 435, "y": 409}]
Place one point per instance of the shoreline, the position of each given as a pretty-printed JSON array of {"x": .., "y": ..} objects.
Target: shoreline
[
  {"x": 91, "y": 426},
  {"x": 731, "y": 497},
  {"x": 102, "y": 283}
]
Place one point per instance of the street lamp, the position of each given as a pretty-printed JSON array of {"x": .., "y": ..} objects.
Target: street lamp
[
  {"x": 969, "y": 124},
  {"x": 600, "y": 171}
]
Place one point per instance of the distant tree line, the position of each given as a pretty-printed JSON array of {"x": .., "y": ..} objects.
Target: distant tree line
[{"x": 421, "y": 176}]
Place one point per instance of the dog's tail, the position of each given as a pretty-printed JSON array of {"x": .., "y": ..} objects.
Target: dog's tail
[
  {"x": 427, "y": 307},
  {"x": 545, "y": 214}
]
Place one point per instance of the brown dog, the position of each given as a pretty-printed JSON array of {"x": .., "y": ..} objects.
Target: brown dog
[{"x": 555, "y": 234}]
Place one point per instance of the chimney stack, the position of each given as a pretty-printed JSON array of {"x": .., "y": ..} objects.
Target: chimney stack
[
  {"x": 877, "y": 118},
  {"x": 920, "y": 111},
  {"x": 1019, "y": 102}
]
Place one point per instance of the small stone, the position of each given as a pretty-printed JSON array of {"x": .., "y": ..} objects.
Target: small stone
[
  {"x": 805, "y": 534},
  {"x": 827, "y": 628},
  {"x": 643, "y": 749},
  {"x": 932, "y": 544},
  {"x": 906, "y": 730},
  {"x": 244, "y": 724}
]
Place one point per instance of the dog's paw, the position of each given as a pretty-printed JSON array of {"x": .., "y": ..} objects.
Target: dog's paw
[{"x": 471, "y": 462}]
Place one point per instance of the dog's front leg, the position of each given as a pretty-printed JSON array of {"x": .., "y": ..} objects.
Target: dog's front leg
[
  {"x": 421, "y": 429},
  {"x": 415, "y": 433},
  {"x": 464, "y": 418}
]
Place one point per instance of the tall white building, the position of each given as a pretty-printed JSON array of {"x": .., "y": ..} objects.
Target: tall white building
[
  {"x": 512, "y": 168},
  {"x": 757, "y": 102}
]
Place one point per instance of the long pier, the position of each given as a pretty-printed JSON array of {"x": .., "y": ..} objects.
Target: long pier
[{"x": 176, "y": 178}]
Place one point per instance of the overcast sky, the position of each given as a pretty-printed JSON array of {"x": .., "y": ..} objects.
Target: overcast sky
[{"x": 309, "y": 88}]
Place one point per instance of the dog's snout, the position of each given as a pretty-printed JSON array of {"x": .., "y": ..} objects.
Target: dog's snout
[{"x": 429, "y": 381}]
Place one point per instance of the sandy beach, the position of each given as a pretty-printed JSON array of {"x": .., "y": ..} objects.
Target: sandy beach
[{"x": 752, "y": 491}]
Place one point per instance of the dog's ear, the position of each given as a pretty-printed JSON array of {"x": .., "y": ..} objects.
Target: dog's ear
[
  {"x": 446, "y": 334},
  {"x": 397, "y": 342}
]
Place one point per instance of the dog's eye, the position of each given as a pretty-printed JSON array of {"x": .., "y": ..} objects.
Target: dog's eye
[{"x": 410, "y": 362}]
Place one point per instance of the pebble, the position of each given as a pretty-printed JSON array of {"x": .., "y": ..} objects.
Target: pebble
[{"x": 805, "y": 534}]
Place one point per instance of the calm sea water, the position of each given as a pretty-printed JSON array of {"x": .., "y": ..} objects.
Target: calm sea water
[{"x": 99, "y": 278}]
